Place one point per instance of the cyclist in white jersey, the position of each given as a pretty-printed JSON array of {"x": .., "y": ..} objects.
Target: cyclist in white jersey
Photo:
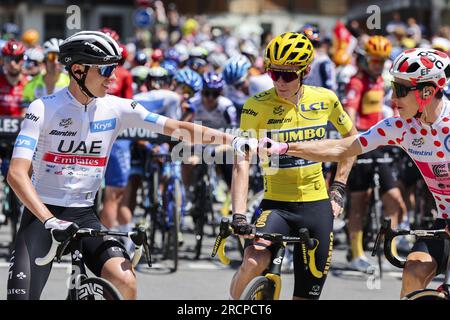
[
  {"x": 422, "y": 131},
  {"x": 65, "y": 141}
]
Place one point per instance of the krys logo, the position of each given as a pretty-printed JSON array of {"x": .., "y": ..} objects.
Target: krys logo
[
  {"x": 103, "y": 125},
  {"x": 25, "y": 142}
]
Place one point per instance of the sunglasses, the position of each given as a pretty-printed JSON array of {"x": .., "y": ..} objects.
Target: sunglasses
[
  {"x": 402, "y": 91},
  {"x": 287, "y": 76},
  {"x": 52, "y": 56},
  {"x": 211, "y": 93},
  {"x": 105, "y": 70},
  {"x": 30, "y": 64},
  {"x": 17, "y": 59}
]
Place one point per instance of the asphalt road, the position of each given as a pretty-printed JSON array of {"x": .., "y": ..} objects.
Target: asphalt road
[{"x": 207, "y": 278}]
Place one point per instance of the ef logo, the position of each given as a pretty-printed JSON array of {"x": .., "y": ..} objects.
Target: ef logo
[
  {"x": 374, "y": 20},
  {"x": 73, "y": 21}
]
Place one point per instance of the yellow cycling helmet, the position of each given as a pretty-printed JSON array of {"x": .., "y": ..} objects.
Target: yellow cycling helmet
[
  {"x": 289, "y": 49},
  {"x": 30, "y": 37},
  {"x": 378, "y": 46},
  {"x": 341, "y": 57}
]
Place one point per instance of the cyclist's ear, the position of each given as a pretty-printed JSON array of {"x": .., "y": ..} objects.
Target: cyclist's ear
[
  {"x": 427, "y": 92},
  {"x": 307, "y": 70}
]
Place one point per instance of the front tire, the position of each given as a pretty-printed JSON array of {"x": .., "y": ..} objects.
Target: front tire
[
  {"x": 260, "y": 288},
  {"x": 97, "y": 289}
]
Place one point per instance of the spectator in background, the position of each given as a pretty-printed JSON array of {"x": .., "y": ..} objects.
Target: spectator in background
[
  {"x": 396, "y": 24},
  {"x": 322, "y": 72},
  {"x": 414, "y": 30},
  {"x": 33, "y": 64}
]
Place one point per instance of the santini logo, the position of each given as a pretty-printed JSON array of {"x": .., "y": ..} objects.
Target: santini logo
[{"x": 103, "y": 125}]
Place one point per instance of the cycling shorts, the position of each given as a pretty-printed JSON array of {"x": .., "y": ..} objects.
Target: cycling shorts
[
  {"x": 118, "y": 169},
  {"x": 436, "y": 248},
  {"x": 360, "y": 178},
  {"x": 26, "y": 279},
  {"x": 287, "y": 218}
]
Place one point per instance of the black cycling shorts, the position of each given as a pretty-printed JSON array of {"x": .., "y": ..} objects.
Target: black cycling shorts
[
  {"x": 26, "y": 279},
  {"x": 361, "y": 176},
  {"x": 436, "y": 248},
  {"x": 287, "y": 218}
]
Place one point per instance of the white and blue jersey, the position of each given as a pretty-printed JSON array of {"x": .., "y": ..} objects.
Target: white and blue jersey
[{"x": 69, "y": 143}]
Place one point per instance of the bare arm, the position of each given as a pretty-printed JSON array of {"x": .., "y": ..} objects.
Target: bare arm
[
  {"x": 194, "y": 133},
  {"x": 239, "y": 186},
  {"x": 345, "y": 166},
  {"x": 19, "y": 180},
  {"x": 329, "y": 150}
]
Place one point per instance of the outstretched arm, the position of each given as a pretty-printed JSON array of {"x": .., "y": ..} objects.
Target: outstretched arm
[
  {"x": 194, "y": 133},
  {"x": 329, "y": 150}
]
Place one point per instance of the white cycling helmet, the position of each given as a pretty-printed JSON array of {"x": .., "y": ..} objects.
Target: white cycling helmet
[
  {"x": 52, "y": 45},
  {"x": 34, "y": 54},
  {"x": 420, "y": 65}
]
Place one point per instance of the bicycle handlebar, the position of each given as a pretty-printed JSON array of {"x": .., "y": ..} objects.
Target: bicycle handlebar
[
  {"x": 390, "y": 234},
  {"x": 62, "y": 238},
  {"x": 226, "y": 230}
]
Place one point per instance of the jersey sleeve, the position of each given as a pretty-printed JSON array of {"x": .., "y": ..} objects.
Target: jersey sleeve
[
  {"x": 134, "y": 115},
  {"x": 339, "y": 117},
  {"x": 353, "y": 94},
  {"x": 390, "y": 131},
  {"x": 249, "y": 124},
  {"x": 26, "y": 141}
]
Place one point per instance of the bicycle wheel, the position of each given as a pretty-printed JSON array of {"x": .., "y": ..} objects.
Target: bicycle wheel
[
  {"x": 173, "y": 208},
  {"x": 426, "y": 294},
  {"x": 260, "y": 288},
  {"x": 97, "y": 289}
]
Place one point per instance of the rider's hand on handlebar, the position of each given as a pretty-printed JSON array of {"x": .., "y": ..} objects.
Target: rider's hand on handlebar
[
  {"x": 241, "y": 226},
  {"x": 55, "y": 223}
]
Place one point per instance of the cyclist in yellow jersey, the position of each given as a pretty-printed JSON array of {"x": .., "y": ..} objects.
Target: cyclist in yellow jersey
[
  {"x": 295, "y": 191},
  {"x": 50, "y": 81}
]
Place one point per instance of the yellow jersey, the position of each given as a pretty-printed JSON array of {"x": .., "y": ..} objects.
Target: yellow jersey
[{"x": 288, "y": 178}]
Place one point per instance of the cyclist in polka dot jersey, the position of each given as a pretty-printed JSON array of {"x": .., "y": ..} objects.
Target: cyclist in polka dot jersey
[{"x": 422, "y": 131}]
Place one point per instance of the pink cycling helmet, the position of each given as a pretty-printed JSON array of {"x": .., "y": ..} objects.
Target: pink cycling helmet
[{"x": 420, "y": 65}]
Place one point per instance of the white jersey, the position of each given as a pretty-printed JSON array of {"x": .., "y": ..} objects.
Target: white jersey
[
  {"x": 70, "y": 143},
  {"x": 427, "y": 145},
  {"x": 162, "y": 102}
]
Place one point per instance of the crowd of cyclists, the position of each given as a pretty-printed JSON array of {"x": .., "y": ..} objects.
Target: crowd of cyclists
[{"x": 189, "y": 71}]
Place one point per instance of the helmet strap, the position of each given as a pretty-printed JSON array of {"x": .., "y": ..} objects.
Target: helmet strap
[
  {"x": 422, "y": 103},
  {"x": 300, "y": 77},
  {"x": 82, "y": 82}
]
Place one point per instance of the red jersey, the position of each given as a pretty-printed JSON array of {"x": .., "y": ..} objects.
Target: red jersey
[
  {"x": 11, "y": 97},
  {"x": 123, "y": 86},
  {"x": 365, "y": 96}
]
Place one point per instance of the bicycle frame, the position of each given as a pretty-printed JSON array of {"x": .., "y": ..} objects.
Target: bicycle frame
[{"x": 279, "y": 242}]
